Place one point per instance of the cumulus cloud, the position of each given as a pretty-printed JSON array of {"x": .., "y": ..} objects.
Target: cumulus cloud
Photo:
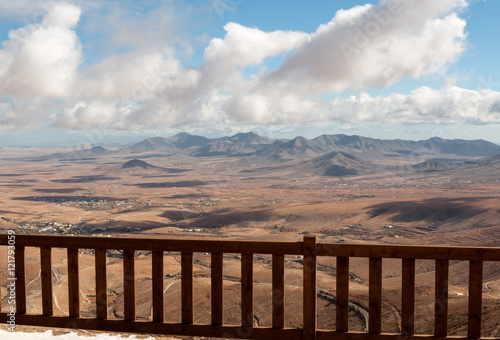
[
  {"x": 375, "y": 45},
  {"x": 136, "y": 76},
  {"x": 92, "y": 114},
  {"x": 243, "y": 46},
  {"x": 42, "y": 59},
  {"x": 24, "y": 114},
  {"x": 150, "y": 86},
  {"x": 423, "y": 105}
]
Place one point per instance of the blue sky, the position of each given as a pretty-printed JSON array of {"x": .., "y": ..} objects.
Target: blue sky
[{"x": 103, "y": 71}]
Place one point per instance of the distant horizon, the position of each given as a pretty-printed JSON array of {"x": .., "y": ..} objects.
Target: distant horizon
[{"x": 134, "y": 140}]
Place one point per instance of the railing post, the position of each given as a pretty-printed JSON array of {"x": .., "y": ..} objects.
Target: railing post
[
  {"x": 101, "y": 289},
  {"x": 46, "y": 274},
  {"x": 129, "y": 284},
  {"x": 217, "y": 266},
  {"x": 278, "y": 290},
  {"x": 187, "y": 287},
  {"x": 475, "y": 298},
  {"x": 342, "y": 293},
  {"x": 247, "y": 290},
  {"x": 309, "y": 293},
  {"x": 375, "y": 296},
  {"x": 20, "y": 280},
  {"x": 73, "y": 283},
  {"x": 158, "y": 299},
  {"x": 408, "y": 297},
  {"x": 441, "y": 299}
]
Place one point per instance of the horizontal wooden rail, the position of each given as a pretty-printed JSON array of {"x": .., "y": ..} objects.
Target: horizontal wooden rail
[
  {"x": 197, "y": 246},
  {"x": 327, "y": 335},
  {"x": 149, "y": 327},
  {"x": 409, "y": 252},
  {"x": 309, "y": 249}
]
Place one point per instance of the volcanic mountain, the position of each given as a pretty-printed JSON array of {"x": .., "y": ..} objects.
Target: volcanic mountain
[
  {"x": 169, "y": 144},
  {"x": 240, "y": 144},
  {"x": 433, "y": 165},
  {"x": 297, "y": 147},
  {"x": 339, "y": 163},
  {"x": 137, "y": 163},
  {"x": 79, "y": 154}
]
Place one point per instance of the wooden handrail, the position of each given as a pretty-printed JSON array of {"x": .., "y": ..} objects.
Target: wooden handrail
[
  {"x": 409, "y": 252},
  {"x": 152, "y": 244},
  {"x": 309, "y": 249}
]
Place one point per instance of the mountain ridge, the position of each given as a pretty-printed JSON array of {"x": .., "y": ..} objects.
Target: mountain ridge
[{"x": 250, "y": 143}]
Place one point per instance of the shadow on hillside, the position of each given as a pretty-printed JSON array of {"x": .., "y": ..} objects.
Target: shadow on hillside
[
  {"x": 60, "y": 199},
  {"x": 432, "y": 210},
  {"x": 59, "y": 191},
  {"x": 169, "y": 170},
  {"x": 187, "y": 196},
  {"x": 216, "y": 218},
  {"x": 128, "y": 227},
  {"x": 85, "y": 179},
  {"x": 10, "y": 212},
  {"x": 179, "y": 184},
  {"x": 178, "y": 215}
]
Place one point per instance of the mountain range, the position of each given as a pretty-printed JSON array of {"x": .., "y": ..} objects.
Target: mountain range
[
  {"x": 328, "y": 155},
  {"x": 246, "y": 144}
]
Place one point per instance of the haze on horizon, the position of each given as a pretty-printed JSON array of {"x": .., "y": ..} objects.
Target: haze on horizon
[{"x": 91, "y": 71}]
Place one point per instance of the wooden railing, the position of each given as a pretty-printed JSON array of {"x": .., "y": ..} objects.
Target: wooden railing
[{"x": 308, "y": 248}]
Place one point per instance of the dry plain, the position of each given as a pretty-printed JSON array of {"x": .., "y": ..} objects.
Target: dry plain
[{"x": 182, "y": 196}]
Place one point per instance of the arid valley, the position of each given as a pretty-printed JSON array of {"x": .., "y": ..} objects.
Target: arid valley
[{"x": 343, "y": 189}]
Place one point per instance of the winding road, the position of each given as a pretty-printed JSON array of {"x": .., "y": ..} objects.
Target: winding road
[
  {"x": 56, "y": 281},
  {"x": 329, "y": 297}
]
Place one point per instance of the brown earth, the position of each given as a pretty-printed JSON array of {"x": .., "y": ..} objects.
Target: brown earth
[{"x": 231, "y": 198}]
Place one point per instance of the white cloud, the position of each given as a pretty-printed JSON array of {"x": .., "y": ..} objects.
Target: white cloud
[
  {"x": 244, "y": 46},
  {"x": 423, "y": 105},
  {"x": 24, "y": 114},
  {"x": 42, "y": 59},
  {"x": 62, "y": 15},
  {"x": 373, "y": 46},
  {"x": 149, "y": 87},
  {"x": 136, "y": 76},
  {"x": 92, "y": 114}
]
